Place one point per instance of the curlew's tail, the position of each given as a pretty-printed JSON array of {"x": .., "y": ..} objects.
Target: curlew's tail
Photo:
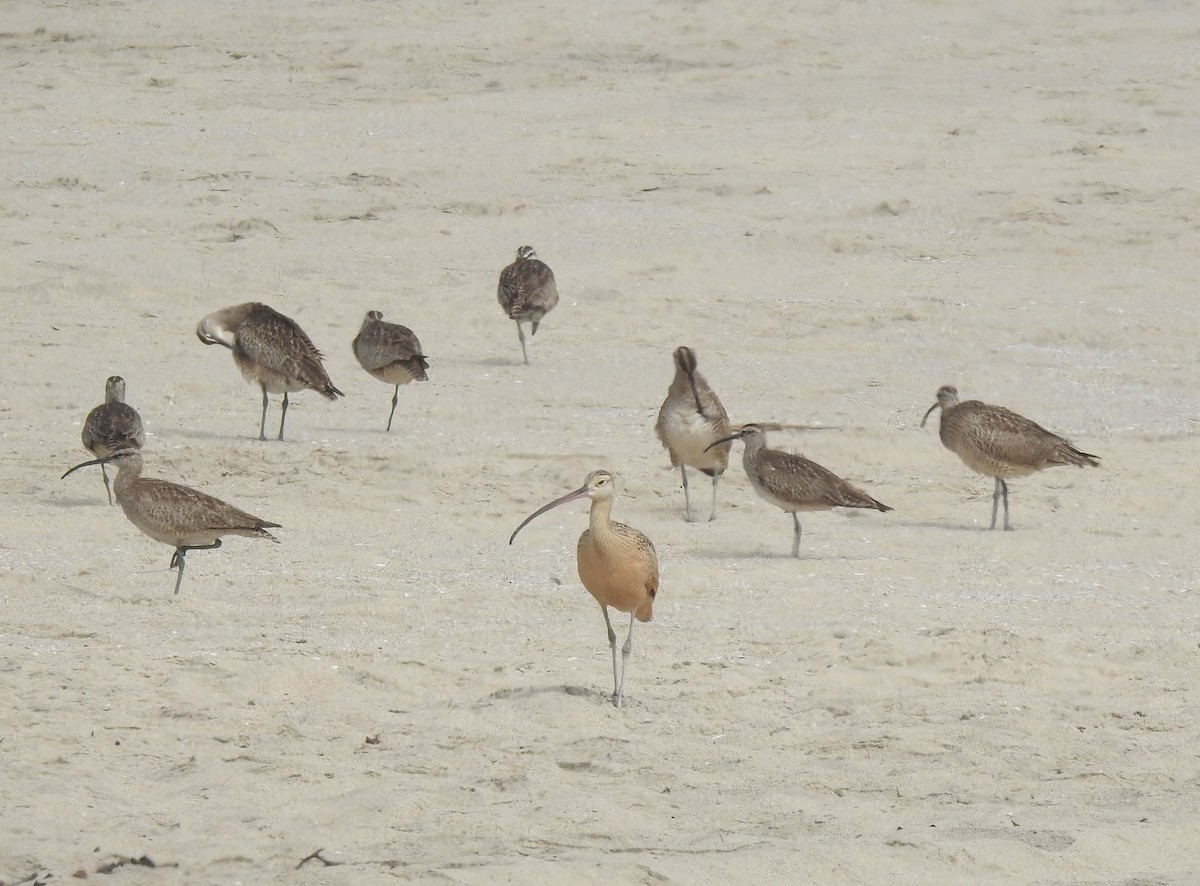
[{"x": 1083, "y": 459}]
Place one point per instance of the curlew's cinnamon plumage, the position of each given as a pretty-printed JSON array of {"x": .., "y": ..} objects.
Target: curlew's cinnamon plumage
[
  {"x": 270, "y": 350},
  {"x": 999, "y": 443},
  {"x": 527, "y": 292},
  {"x": 391, "y": 353},
  {"x": 793, "y": 482},
  {"x": 111, "y": 426},
  {"x": 617, "y": 565},
  {"x": 176, "y": 515},
  {"x": 690, "y": 421}
]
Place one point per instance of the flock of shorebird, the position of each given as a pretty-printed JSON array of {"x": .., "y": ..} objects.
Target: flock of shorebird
[{"x": 617, "y": 564}]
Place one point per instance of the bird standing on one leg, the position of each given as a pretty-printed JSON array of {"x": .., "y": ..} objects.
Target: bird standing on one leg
[
  {"x": 391, "y": 353},
  {"x": 690, "y": 421},
  {"x": 271, "y": 350},
  {"x": 527, "y": 292},
  {"x": 999, "y": 443},
  {"x": 176, "y": 515},
  {"x": 795, "y": 483},
  {"x": 112, "y": 426},
  {"x": 617, "y": 565}
]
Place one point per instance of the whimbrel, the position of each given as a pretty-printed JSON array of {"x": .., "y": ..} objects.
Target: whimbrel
[
  {"x": 793, "y": 482},
  {"x": 617, "y": 565},
  {"x": 176, "y": 515},
  {"x": 527, "y": 291},
  {"x": 111, "y": 426},
  {"x": 999, "y": 443},
  {"x": 391, "y": 353},
  {"x": 271, "y": 350},
  {"x": 690, "y": 421}
]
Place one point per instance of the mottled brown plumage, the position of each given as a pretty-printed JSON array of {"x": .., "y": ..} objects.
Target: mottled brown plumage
[
  {"x": 617, "y": 565},
  {"x": 176, "y": 515},
  {"x": 111, "y": 426},
  {"x": 269, "y": 349},
  {"x": 690, "y": 421},
  {"x": 794, "y": 483},
  {"x": 391, "y": 353},
  {"x": 527, "y": 292},
  {"x": 999, "y": 443}
]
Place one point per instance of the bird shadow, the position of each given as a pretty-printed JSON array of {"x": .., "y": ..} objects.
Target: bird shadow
[
  {"x": 529, "y": 691},
  {"x": 79, "y": 502},
  {"x": 494, "y": 361}
]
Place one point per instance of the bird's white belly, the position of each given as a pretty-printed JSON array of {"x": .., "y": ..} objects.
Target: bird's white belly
[{"x": 690, "y": 434}]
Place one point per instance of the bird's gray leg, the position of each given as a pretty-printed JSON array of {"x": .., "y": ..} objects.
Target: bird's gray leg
[
  {"x": 107, "y": 486},
  {"x": 262, "y": 425},
  {"x": 626, "y": 652},
  {"x": 796, "y": 537},
  {"x": 521, "y": 335},
  {"x": 395, "y": 398},
  {"x": 612, "y": 643},
  {"x": 1004, "y": 492},
  {"x": 713, "y": 515},
  {"x": 282, "y": 415},
  {"x": 687, "y": 501},
  {"x": 996, "y": 501},
  {"x": 177, "y": 558}
]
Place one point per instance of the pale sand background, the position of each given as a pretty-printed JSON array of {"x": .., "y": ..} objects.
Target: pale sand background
[{"x": 840, "y": 206}]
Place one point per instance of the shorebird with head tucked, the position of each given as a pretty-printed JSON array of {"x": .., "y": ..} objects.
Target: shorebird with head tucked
[
  {"x": 690, "y": 421},
  {"x": 391, "y": 353},
  {"x": 527, "y": 292},
  {"x": 794, "y": 483},
  {"x": 112, "y": 426},
  {"x": 176, "y": 515},
  {"x": 999, "y": 443},
  {"x": 270, "y": 350},
  {"x": 617, "y": 565}
]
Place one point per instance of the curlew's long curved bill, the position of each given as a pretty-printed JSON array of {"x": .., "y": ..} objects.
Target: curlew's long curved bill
[
  {"x": 581, "y": 492},
  {"x": 927, "y": 413},
  {"x": 94, "y": 461},
  {"x": 696, "y": 395},
  {"x": 736, "y": 436}
]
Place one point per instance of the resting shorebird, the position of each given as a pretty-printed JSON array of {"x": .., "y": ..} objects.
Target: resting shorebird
[
  {"x": 111, "y": 426},
  {"x": 391, "y": 353},
  {"x": 794, "y": 483},
  {"x": 690, "y": 421},
  {"x": 271, "y": 350},
  {"x": 617, "y": 565},
  {"x": 527, "y": 291},
  {"x": 999, "y": 443}
]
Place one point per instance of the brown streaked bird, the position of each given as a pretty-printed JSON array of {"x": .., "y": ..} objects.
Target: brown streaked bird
[
  {"x": 999, "y": 443},
  {"x": 270, "y": 350},
  {"x": 617, "y": 565},
  {"x": 690, "y": 421},
  {"x": 111, "y": 426},
  {"x": 176, "y": 515},
  {"x": 527, "y": 292},
  {"x": 391, "y": 353},
  {"x": 795, "y": 483}
]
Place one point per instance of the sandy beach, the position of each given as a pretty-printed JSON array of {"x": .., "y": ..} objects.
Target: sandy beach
[{"x": 840, "y": 207}]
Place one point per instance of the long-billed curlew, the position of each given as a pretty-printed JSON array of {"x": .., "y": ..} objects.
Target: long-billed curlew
[
  {"x": 391, "y": 353},
  {"x": 793, "y": 482},
  {"x": 271, "y": 350},
  {"x": 527, "y": 291},
  {"x": 111, "y": 426},
  {"x": 690, "y": 421},
  {"x": 999, "y": 443},
  {"x": 617, "y": 564},
  {"x": 176, "y": 515}
]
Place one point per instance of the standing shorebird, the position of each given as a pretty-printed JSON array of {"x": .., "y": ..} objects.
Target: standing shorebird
[
  {"x": 269, "y": 349},
  {"x": 617, "y": 565},
  {"x": 176, "y": 515},
  {"x": 111, "y": 426},
  {"x": 690, "y": 421},
  {"x": 794, "y": 483},
  {"x": 391, "y": 353},
  {"x": 527, "y": 291},
  {"x": 999, "y": 443}
]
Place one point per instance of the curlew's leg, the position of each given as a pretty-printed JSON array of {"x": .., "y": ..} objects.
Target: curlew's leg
[
  {"x": 612, "y": 644},
  {"x": 282, "y": 415},
  {"x": 262, "y": 425},
  {"x": 687, "y": 501},
  {"x": 796, "y": 539},
  {"x": 521, "y": 335},
  {"x": 626, "y": 651},
  {"x": 996, "y": 502},
  {"x": 1004, "y": 495},
  {"x": 713, "y": 515},
  {"x": 395, "y": 397},
  {"x": 107, "y": 485},
  {"x": 177, "y": 558}
]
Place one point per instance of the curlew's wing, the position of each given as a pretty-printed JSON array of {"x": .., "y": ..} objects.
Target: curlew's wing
[
  {"x": 526, "y": 286},
  {"x": 791, "y": 477},
  {"x": 381, "y": 345},
  {"x": 1007, "y": 436},
  {"x": 270, "y": 339}
]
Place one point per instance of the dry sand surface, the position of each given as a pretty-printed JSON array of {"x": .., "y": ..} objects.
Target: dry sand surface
[{"x": 840, "y": 206}]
